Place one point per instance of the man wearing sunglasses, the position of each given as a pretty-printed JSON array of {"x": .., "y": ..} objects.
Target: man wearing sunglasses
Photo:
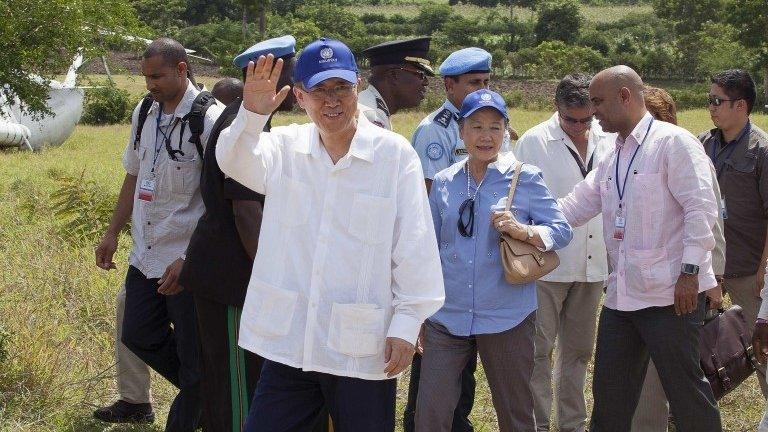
[
  {"x": 399, "y": 71},
  {"x": 739, "y": 151},
  {"x": 566, "y": 148}
]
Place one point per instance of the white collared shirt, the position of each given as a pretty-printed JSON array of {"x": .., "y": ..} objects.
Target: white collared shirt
[
  {"x": 161, "y": 228},
  {"x": 546, "y": 146},
  {"x": 347, "y": 251},
  {"x": 373, "y": 105}
]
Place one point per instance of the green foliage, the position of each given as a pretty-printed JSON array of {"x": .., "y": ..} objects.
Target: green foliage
[
  {"x": 82, "y": 207},
  {"x": 688, "y": 15},
  {"x": 42, "y": 36},
  {"x": 5, "y": 339},
  {"x": 558, "y": 20},
  {"x": 555, "y": 59},
  {"x": 164, "y": 16},
  {"x": 106, "y": 105},
  {"x": 718, "y": 49},
  {"x": 432, "y": 17},
  {"x": 219, "y": 40}
]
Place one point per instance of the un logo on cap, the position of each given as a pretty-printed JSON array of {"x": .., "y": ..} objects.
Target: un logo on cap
[
  {"x": 485, "y": 97},
  {"x": 326, "y": 53}
]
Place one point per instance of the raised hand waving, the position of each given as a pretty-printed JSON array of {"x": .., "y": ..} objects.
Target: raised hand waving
[{"x": 260, "y": 93}]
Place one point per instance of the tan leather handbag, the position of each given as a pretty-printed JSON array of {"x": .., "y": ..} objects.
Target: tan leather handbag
[{"x": 523, "y": 262}]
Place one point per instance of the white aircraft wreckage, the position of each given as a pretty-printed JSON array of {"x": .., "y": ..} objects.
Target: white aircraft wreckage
[{"x": 65, "y": 101}]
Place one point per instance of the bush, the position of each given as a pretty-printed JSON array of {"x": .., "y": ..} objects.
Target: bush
[
  {"x": 432, "y": 17},
  {"x": 555, "y": 59},
  {"x": 689, "y": 98},
  {"x": 558, "y": 20},
  {"x": 106, "y": 105}
]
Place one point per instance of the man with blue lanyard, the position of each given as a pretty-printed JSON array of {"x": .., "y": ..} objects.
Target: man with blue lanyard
[
  {"x": 161, "y": 197},
  {"x": 739, "y": 151}
]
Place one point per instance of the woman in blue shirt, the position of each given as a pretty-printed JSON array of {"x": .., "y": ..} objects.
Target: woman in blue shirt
[{"x": 481, "y": 309}]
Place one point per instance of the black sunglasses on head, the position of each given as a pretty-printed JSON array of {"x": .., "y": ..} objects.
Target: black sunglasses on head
[{"x": 717, "y": 100}]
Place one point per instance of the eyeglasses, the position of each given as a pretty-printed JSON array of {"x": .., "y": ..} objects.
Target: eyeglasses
[
  {"x": 339, "y": 91},
  {"x": 466, "y": 229},
  {"x": 717, "y": 101},
  {"x": 585, "y": 120},
  {"x": 422, "y": 76}
]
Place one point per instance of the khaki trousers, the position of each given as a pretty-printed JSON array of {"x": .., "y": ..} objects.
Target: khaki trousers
[
  {"x": 652, "y": 412},
  {"x": 132, "y": 373},
  {"x": 565, "y": 335},
  {"x": 742, "y": 293}
]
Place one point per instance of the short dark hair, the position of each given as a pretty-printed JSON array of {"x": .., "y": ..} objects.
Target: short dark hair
[
  {"x": 171, "y": 50},
  {"x": 227, "y": 90},
  {"x": 737, "y": 84},
  {"x": 573, "y": 91}
]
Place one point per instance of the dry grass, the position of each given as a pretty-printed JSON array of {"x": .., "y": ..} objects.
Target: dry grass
[{"x": 59, "y": 308}]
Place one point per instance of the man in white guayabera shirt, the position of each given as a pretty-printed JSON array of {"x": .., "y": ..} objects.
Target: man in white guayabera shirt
[{"x": 352, "y": 270}]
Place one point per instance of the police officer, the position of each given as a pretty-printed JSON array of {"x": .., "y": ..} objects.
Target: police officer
[
  {"x": 399, "y": 71},
  {"x": 436, "y": 139}
]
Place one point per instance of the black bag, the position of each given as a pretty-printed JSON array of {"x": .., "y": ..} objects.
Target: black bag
[
  {"x": 726, "y": 351},
  {"x": 195, "y": 118}
]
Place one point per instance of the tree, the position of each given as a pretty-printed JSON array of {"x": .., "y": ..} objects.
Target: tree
[
  {"x": 750, "y": 19},
  {"x": 558, "y": 20},
  {"x": 688, "y": 15},
  {"x": 41, "y": 37}
]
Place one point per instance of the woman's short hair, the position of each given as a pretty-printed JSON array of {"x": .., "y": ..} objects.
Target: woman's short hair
[{"x": 660, "y": 104}]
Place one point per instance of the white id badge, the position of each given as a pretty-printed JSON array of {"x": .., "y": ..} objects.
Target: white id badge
[
  {"x": 723, "y": 209},
  {"x": 618, "y": 225},
  {"x": 147, "y": 189}
]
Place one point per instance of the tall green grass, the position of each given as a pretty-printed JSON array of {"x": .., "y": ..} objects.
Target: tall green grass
[{"x": 57, "y": 308}]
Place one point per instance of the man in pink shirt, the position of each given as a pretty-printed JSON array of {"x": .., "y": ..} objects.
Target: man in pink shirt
[{"x": 656, "y": 197}]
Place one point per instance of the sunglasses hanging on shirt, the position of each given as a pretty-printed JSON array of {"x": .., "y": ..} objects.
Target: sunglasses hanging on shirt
[{"x": 467, "y": 229}]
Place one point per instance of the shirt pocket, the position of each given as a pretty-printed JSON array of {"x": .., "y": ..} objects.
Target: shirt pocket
[
  {"x": 357, "y": 330},
  {"x": 294, "y": 202},
  {"x": 367, "y": 218},
  {"x": 649, "y": 270},
  {"x": 649, "y": 193},
  {"x": 275, "y": 308},
  {"x": 184, "y": 176}
]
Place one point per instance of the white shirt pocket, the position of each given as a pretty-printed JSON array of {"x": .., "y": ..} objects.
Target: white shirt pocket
[
  {"x": 273, "y": 308},
  {"x": 357, "y": 330}
]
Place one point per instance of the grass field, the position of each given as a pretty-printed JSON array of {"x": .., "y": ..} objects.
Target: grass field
[
  {"x": 57, "y": 308},
  {"x": 593, "y": 14}
]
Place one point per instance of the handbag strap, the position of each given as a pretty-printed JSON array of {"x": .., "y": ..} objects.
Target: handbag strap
[{"x": 513, "y": 184}]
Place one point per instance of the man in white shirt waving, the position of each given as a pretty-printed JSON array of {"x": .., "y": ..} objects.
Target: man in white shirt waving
[{"x": 336, "y": 300}]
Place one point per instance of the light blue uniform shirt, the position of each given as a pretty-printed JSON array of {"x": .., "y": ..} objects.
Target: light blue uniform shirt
[
  {"x": 478, "y": 300},
  {"x": 437, "y": 140}
]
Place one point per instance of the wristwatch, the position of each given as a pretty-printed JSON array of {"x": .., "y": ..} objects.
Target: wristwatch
[
  {"x": 689, "y": 269},
  {"x": 529, "y": 232},
  {"x": 761, "y": 321},
  {"x": 183, "y": 257}
]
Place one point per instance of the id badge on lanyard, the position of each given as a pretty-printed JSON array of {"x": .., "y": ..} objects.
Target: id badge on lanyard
[
  {"x": 147, "y": 188},
  {"x": 619, "y": 224}
]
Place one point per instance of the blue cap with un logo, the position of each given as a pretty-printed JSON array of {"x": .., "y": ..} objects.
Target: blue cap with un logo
[
  {"x": 324, "y": 59},
  {"x": 483, "y": 99},
  {"x": 466, "y": 60},
  {"x": 282, "y": 46}
]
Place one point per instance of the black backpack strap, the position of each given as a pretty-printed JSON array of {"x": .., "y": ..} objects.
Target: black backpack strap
[
  {"x": 196, "y": 118},
  {"x": 146, "y": 104}
]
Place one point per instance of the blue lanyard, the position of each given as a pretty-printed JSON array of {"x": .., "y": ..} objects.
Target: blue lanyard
[
  {"x": 719, "y": 168},
  {"x": 166, "y": 137},
  {"x": 623, "y": 188}
]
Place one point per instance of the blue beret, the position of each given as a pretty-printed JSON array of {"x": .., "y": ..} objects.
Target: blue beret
[
  {"x": 278, "y": 47},
  {"x": 466, "y": 60}
]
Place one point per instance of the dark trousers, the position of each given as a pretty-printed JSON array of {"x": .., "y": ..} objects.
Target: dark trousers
[
  {"x": 625, "y": 340},
  {"x": 461, "y": 421},
  {"x": 289, "y": 400},
  {"x": 230, "y": 373},
  {"x": 173, "y": 352}
]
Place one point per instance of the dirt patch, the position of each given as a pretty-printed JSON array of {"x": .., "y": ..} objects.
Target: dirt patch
[{"x": 128, "y": 63}]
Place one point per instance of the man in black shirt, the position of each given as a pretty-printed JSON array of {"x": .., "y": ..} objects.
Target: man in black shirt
[{"x": 218, "y": 267}]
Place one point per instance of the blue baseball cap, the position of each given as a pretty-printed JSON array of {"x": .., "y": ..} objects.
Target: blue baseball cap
[
  {"x": 466, "y": 60},
  {"x": 483, "y": 99},
  {"x": 279, "y": 47},
  {"x": 324, "y": 59}
]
